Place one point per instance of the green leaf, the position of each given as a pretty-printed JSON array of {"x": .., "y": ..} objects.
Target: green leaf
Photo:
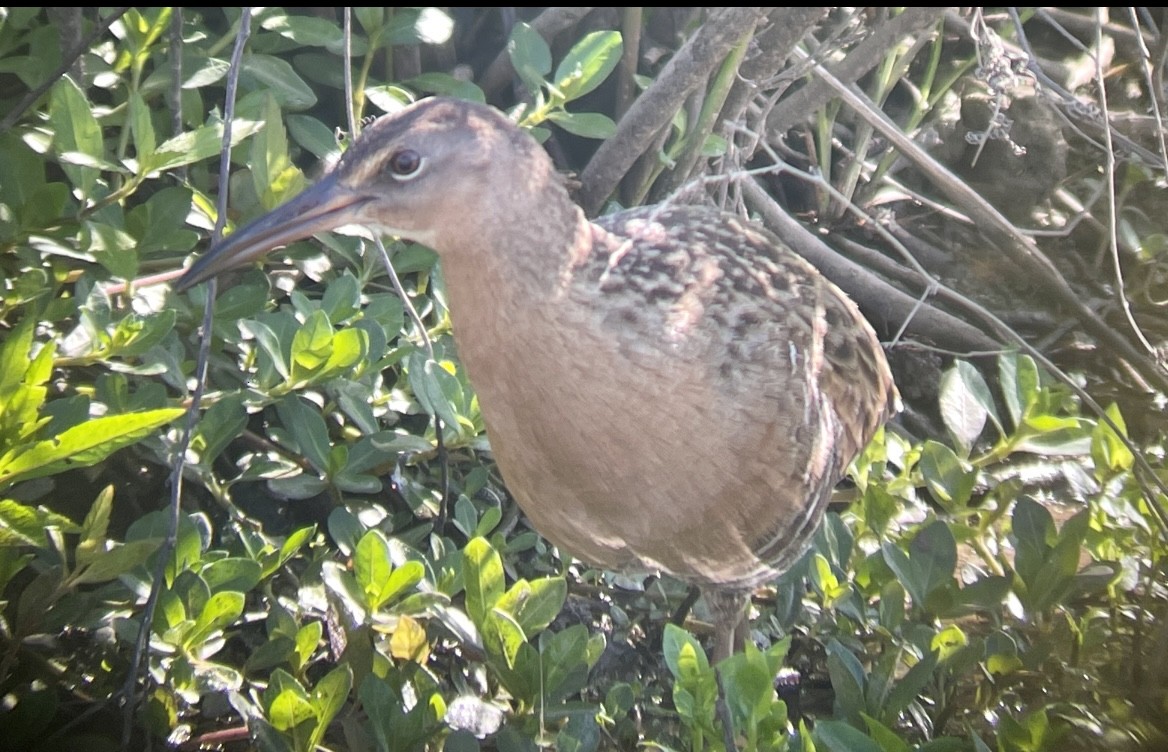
[
  {"x": 375, "y": 573},
  {"x": 436, "y": 388},
  {"x": 1034, "y": 536},
  {"x": 344, "y": 586},
  {"x": 683, "y": 653},
  {"x": 465, "y": 515},
  {"x": 565, "y": 661},
  {"x": 715, "y": 146},
  {"x": 446, "y": 85},
  {"x": 194, "y": 146},
  {"x": 885, "y": 738},
  {"x": 388, "y": 98},
  {"x": 233, "y": 573},
  {"x": 948, "y": 642},
  {"x": 345, "y": 529},
  {"x": 908, "y": 687},
  {"x": 372, "y": 567},
  {"x": 275, "y": 76},
  {"x": 490, "y": 519},
  {"x": 22, "y": 525},
  {"x": 534, "y": 604},
  {"x": 284, "y": 179},
  {"x": 115, "y": 562},
  {"x": 220, "y": 611},
  {"x": 1108, "y": 450},
  {"x": 580, "y": 734},
  {"x": 307, "y": 428},
  {"x": 95, "y": 526},
  {"x": 585, "y": 124},
  {"x": 847, "y": 679},
  {"x": 949, "y": 479},
  {"x": 313, "y": 135},
  {"x": 403, "y": 578},
  {"x": 502, "y": 636},
  {"x": 837, "y": 736},
  {"x": 588, "y": 63},
  {"x": 318, "y": 352},
  {"x": 112, "y": 247},
  {"x": 483, "y": 573},
  {"x": 965, "y": 403},
  {"x": 12, "y": 562},
  {"x": 342, "y": 298},
  {"x": 530, "y": 55},
  {"x": 312, "y": 344},
  {"x": 1095, "y": 577},
  {"x": 304, "y": 30},
  {"x": 826, "y": 581},
  {"x": 289, "y": 709},
  {"x": 985, "y": 594},
  {"x": 273, "y": 652},
  {"x": 1019, "y": 379},
  {"x": 906, "y": 573},
  {"x": 76, "y": 131},
  {"x": 271, "y": 354},
  {"x": 747, "y": 679},
  {"x": 83, "y": 445},
  {"x": 22, "y": 386},
  {"x": 221, "y": 424},
  {"x": 134, "y": 335},
  {"x": 328, "y": 697},
  {"x": 307, "y": 639},
  {"x": 933, "y": 552},
  {"x": 372, "y": 19},
  {"x": 141, "y": 127},
  {"x": 22, "y": 177},
  {"x": 269, "y": 154}
]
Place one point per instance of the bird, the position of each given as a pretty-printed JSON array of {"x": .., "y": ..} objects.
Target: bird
[{"x": 668, "y": 388}]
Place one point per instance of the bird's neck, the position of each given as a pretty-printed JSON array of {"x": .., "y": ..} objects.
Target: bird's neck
[
  {"x": 503, "y": 284},
  {"x": 519, "y": 257}
]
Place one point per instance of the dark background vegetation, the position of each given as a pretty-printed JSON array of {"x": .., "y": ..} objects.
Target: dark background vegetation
[{"x": 987, "y": 184}]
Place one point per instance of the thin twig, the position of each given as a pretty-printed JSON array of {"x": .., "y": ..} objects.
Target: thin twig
[
  {"x": 699, "y": 131},
  {"x": 688, "y": 69},
  {"x": 786, "y": 26},
  {"x": 1008, "y": 335},
  {"x": 1112, "y": 204},
  {"x": 997, "y": 228},
  {"x": 174, "y": 91},
  {"x": 31, "y": 98},
  {"x": 440, "y": 442},
  {"x": 1156, "y": 95},
  {"x": 145, "y": 627},
  {"x": 626, "y": 87},
  {"x": 859, "y": 61},
  {"x": 881, "y": 300},
  {"x": 1069, "y": 103}
]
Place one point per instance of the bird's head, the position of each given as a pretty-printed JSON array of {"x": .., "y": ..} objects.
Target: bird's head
[{"x": 438, "y": 172}]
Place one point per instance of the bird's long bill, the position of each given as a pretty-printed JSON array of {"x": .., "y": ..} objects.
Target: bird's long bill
[{"x": 325, "y": 206}]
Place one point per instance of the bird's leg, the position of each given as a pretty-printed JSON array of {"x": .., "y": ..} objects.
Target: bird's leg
[
  {"x": 727, "y": 608},
  {"x": 691, "y": 597}
]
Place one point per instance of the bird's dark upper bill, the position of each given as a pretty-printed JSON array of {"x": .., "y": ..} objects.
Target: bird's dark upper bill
[{"x": 324, "y": 206}]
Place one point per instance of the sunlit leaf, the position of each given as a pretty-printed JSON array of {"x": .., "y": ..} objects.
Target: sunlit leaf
[
  {"x": 587, "y": 64},
  {"x": 530, "y": 55}
]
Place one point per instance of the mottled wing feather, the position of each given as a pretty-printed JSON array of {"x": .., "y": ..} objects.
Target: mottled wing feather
[{"x": 755, "y": 302}]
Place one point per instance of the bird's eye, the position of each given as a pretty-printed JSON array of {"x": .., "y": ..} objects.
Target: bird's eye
[{"x": 405, "y": 164}]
